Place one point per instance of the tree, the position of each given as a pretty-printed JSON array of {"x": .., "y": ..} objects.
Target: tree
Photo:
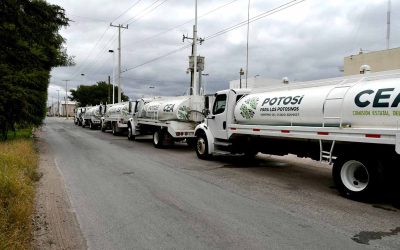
[
  {"x": 30, "y": 46},
  {"x": 95, "y": 94}
]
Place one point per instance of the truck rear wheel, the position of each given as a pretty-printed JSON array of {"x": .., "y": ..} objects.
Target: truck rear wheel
[
  {"x": 158, "y": 139},
  {"x": 131, "y": 137},
  {"x": 358, "y": 178},
  {"x": 202, "y": 147}
]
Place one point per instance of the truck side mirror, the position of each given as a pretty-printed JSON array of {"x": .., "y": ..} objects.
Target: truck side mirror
[
  {"x": 130, "y": 107},
  {"x": 206, "y": 112},
  {"x": 136, "y": 106},
  {"x": 101, "y": 109}
]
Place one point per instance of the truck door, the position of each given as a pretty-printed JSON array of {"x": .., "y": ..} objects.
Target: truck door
[{"x": 217, "y": 118}]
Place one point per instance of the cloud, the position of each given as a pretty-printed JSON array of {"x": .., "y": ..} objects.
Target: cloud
[{"x": 307, "y": 41}]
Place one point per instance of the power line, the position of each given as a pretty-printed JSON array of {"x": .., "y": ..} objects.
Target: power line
[
  {"x": 224, "y": 31},
  {"x": 75, "y": 74},
  {"x": 182, "y": 24},
  {"x": 83, "y": 65},
  {"x": 255, "y": 18},
  {"x": 145, "y": 11},
  {"x": 158, "y": 58},
  {"x": 128, "y": 9}
]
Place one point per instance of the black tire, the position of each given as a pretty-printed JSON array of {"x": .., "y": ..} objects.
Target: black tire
[
  {"x": 114, "y": 129},
  {"x": 358, "y": 178},
  {"x": 131, "y": 136},
  {"x": 102, "y": 127},
  {"x": 250, "y": 154},
  {"x": 83, "y": 124},
  {"x": 202, "y": 147},
  {"x": 158, "y": 138},
  {"x": 191, "y": 142}
]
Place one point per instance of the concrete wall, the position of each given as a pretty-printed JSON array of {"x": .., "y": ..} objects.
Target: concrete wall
[{"x": 378, "y": 60}]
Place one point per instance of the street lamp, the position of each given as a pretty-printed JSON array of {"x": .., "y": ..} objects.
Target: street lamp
[
  {"x": 241, "y": 72},
  {"x": 152, "y": 87},
  {"x": 113, "y": 93}
]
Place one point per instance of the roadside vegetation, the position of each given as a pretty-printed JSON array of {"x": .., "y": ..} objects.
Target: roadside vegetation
[{"x": 18, "y": 165}]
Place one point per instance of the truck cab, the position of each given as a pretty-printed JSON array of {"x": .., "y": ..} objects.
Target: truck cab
[{"x": 213, "y": 132}]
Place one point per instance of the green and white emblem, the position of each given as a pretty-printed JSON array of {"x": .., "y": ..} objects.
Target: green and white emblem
[{"x": 248, "y": 108}]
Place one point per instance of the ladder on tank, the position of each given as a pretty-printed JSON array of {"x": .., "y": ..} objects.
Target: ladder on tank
[{"x": 335, "y": 95}]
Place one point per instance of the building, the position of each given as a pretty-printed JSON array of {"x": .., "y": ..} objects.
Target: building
[
  {"x": 58, "y": 109},
  {"x": 382, "y": 60},
  {"x": 254, "y": 82}
]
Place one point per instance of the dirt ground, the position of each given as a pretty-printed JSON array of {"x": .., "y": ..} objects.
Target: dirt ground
[{"x": 55, "y": 225}]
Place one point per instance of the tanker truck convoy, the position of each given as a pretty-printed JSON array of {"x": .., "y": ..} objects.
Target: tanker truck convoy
[
  {"x": 115, "y": 117},
  {"x": 351, "y": 122},
  {"x": 92, "y": 117},
  {"x": 168, "y": 119}
]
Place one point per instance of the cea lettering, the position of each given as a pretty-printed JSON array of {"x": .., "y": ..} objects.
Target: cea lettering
[{"x": 379, "y": 99}]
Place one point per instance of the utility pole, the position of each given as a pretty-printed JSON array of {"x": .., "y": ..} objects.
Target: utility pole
[
  {"x": 194, "y": 89},
  {"x": 66, "y": 97},
  {"x": 113, "y": 85},
  {"x": 247, "y": 46},
  {"x": 119, "y": 26},
  {"x": 58, "y": 102},
  {"x": 388, "y": 25},
  {"x": 109, "y": 80},
  {"x": 195, "y": 50}
]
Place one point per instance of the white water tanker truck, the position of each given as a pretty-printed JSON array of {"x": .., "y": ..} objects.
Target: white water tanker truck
[
  {"x": 116, "y": 117},
  {"x": 168, "y": 119},
  {"x": 78, "y": 116},
  {"x": 92, "y": 117},
  {"x": 352, "y": 122}
]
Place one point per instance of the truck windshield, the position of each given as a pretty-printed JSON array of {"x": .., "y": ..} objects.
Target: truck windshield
[{"x": 219, "y": 104}]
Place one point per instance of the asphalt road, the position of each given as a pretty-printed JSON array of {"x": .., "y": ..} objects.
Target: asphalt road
[{"x": 129, "y": 195}]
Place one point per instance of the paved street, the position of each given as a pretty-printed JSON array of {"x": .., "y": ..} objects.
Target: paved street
[{"x": 130, "y": 195}]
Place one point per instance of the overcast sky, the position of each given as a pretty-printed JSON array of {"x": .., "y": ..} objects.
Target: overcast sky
[{"x": 304, "y": 42}]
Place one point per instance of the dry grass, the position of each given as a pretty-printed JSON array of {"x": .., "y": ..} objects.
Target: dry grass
[{"x": 18, "y": 164}]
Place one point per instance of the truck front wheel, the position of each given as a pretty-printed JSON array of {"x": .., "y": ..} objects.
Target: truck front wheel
[
  {"x": 114, "y": 129},
  {"x": 131, "y": 137},
  {"x": 202, "y": 147},
  {"x": 158, "y": 139},
  {"x": 358, "y": 178},
  {"x": 102, "y": 127}
]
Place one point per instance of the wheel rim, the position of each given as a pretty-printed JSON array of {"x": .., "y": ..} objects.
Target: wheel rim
[
  {"x": 201, "y": 146},
  {"x": 156, "y": 138},
  {"x": 354, "y": 176}
]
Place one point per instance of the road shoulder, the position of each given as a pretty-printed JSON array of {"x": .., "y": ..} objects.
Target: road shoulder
[{"x": 55, "y": 223}]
